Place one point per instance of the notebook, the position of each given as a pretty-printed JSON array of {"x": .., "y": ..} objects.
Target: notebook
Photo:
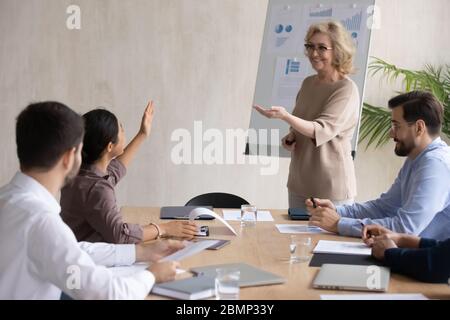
[
  {"x": 342, "y": 247},
  {"x": 250, "y": 276},
  {"x": 320, "y": 259},
  {"x": 182, "y": 213},
  {"x": 194, "y": 288},
  {"x": 352, "y": 277}
]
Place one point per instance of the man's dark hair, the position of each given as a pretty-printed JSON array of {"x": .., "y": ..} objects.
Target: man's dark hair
[
  {"x": 421, "y": 105},
  {"x": 44, "y": 132},
  {"x": 101, "y": 128}
]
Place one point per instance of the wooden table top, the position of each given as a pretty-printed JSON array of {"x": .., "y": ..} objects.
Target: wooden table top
[{"x": 264, "y": 247}]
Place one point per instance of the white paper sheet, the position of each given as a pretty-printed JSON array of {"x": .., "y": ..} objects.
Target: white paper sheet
[
  {"x": 352, "y": 17},
  {"x": 381, "y": 296},
  {"x": 235, "y": 215},
  {"x": 342, "y": 247},
  {"x": 190, "y": 249},
  {"x": 263, "y": 216},
  {"x": 285, "y": 29},
  {"x": 125, "y": 271},
  {"x": 203, "y": 211},
  {"x": 298, "y": 228},
  {"x": 231, "y": 215},
  {"x": 288, "y": 77}
]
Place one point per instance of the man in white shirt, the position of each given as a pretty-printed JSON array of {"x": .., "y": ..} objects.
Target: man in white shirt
[{"x": 39, "y": 255}]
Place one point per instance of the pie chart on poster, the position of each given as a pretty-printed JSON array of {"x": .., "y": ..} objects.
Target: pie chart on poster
[{"x": 279, "y": 28}]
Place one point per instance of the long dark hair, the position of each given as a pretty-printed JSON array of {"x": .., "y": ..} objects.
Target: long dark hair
[{"x": 101, "y": 128}]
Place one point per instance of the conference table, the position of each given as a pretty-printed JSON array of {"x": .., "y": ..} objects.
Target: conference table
[{"x": 263, "y": 246}]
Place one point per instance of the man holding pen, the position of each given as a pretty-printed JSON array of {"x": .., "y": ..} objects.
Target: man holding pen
[{"x": 419, "y": 200}]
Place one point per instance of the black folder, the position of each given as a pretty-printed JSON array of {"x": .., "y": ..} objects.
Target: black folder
[{"x": 319, "y": 259}]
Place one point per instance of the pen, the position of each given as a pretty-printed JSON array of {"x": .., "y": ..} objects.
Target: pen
[
  {"x": 362, "y": 228},
  {"x": 369, "y": 235},
  {"x": 314, "y": 203}
]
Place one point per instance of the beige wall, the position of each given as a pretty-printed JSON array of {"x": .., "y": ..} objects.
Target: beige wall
[{"x": 198, "y": 60}]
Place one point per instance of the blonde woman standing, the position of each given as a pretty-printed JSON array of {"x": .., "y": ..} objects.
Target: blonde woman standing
[{"x": 323, "y": 121}]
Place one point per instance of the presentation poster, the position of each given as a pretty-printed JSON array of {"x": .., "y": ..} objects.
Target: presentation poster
[{"x": 283, "y": 65}]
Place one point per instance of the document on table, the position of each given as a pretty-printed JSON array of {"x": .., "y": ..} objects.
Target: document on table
[
  {"x": 190, "y": 249},
  {"x": 298, "y": 228},
  {"x": 235, "y": 215},
  {"x": 264, "y": 216},
  {"x": 342, "y": 247},
  {"x": 381, "y": 296},
  {"x": 232, "y": 215},
  {"x": 203, "y": 211}
]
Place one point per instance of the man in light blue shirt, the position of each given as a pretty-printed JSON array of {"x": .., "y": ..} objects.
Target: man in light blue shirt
[{"x": 419, "y": 200}]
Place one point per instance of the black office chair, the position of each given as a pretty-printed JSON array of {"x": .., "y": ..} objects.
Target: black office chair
[{"x": 217, "y": 200}]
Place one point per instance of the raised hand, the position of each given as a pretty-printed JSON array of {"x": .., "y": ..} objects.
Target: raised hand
[{"x": 147, "y": 119}]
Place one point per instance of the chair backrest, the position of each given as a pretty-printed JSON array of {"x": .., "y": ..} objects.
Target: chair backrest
[{"x": 217, "y": 200}]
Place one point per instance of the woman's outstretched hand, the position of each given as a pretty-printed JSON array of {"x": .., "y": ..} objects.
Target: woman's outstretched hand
[{"x": 273, "y": 113}]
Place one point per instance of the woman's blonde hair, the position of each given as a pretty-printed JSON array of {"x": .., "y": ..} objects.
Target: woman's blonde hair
[{"x": 343, "y": 46}]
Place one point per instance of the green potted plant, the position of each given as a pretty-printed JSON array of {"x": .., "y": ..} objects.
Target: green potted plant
[{"x": 376, "y": 121}]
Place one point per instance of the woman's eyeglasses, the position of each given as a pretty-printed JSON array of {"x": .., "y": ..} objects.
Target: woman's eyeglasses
[{"x": 321, "y": 49}]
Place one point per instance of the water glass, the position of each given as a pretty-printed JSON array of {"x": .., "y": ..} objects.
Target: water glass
[
  {"x": 227, "y": 284},
  {"x": 300, "y": 248},
  {"x": 248, "y": 215}
]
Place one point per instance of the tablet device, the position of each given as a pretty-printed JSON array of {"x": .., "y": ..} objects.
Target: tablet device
[{"x": 298, "y": 214}]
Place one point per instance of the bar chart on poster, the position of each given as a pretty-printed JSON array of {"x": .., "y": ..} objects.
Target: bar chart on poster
[{"x": 283, "y": 65}]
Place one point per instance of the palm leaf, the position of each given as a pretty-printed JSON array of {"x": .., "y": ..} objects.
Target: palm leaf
[
  {"x": 376, "y": 121},
  {"x": 375, "y": 125}
]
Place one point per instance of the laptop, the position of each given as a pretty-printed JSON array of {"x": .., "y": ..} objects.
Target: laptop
[
  {"x": 250, "y": 275},
  {"x": 352, "y": 277},
  {"x": 182, "y": 213}
]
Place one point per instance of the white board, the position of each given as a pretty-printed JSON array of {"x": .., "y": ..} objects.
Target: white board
[{"x": 283, "y": 64}]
